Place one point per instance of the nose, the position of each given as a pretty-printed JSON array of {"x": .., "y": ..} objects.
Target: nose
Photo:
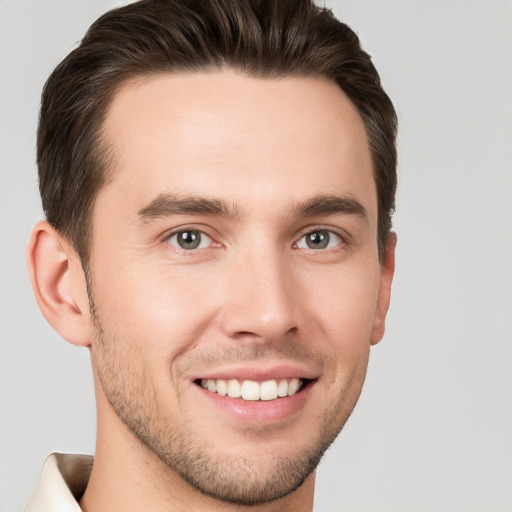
[{"x": 260, "y": 302}]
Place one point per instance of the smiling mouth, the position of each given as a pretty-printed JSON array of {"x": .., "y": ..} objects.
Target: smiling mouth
[{"x": 251, "y": 390}]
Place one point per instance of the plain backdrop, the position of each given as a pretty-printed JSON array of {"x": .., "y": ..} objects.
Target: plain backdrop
[{"x": 433, "y": 428}]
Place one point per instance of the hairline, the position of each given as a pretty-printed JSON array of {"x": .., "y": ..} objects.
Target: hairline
[{"x": 104, "y": 147}]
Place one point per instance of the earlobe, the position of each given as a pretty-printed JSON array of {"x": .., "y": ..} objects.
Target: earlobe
[
  {"x": 386, "y": 278},
  {"x": 59, "y": 284}
]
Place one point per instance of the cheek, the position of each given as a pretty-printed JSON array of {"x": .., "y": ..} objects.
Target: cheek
[
  {"x": 347, "y": 306},
  {"x": 170, "y": 308},
  {"x": 165, "y": 309},
  {"x": 345, "y": 313}
]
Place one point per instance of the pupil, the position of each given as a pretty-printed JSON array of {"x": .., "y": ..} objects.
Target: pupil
[
  {"x": 318, "y": 240},
  {"x": 189, "y": 239}
]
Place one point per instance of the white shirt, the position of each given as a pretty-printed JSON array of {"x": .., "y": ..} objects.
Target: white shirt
[{"x": 62, "y": 483}]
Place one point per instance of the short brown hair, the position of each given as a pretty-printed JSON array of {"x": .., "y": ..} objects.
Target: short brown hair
[{"x": 260, "y": 38}]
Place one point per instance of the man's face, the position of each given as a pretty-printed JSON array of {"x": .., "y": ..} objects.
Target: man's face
[{"x": 235, "y": 252}]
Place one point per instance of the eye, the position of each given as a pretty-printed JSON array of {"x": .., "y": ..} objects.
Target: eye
[
  {"x": 189, "y": 239},
  {"x": 319, "y": 239}
]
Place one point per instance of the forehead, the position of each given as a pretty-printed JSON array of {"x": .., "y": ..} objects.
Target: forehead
[{"x": 235, "y": 137}]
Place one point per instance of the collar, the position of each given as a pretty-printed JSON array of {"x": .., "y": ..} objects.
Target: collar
[{"x": 62, "y": 484}]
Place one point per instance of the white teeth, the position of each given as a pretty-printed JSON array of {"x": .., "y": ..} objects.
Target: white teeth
[
  {"x": 222, "y": 387},
  {"x": 293, "y": 387},
  {"x": 252, "y": 390},
  {"x": 268, "y": 390},
  {"x": 234, "y": 389},
  {"x": 282, "y": 388}
]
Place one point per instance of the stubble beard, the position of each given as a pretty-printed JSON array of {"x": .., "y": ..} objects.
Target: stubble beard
[{"x": 243, "y": 480}]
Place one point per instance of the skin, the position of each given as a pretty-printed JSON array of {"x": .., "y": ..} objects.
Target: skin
[{"x": 253, "y": 297}]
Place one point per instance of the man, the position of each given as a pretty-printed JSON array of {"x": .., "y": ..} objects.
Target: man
[{"x": 218, "y": 179}]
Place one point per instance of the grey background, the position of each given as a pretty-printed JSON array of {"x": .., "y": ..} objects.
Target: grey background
[{"x": 433, "y": 429}]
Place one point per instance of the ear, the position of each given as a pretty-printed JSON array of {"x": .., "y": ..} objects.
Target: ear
[
  {"x": 59, "y": 284},
  {"x": 387, "y": 270}
]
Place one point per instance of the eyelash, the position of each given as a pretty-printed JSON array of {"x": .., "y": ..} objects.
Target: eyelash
[
  {"x": 340, "y": 244},
  {"x": 191, "y": 230}
]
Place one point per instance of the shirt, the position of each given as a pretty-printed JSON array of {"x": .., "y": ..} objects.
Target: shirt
[{"x": 62, "y": 484}]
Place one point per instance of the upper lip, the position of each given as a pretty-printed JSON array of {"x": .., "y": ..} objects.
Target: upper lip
[{"x": 260, "y": 374}]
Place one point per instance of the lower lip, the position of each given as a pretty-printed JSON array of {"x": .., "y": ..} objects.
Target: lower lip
[{"x": 258, "y": 411}]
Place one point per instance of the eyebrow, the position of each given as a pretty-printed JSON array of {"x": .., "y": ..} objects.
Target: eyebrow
[
  {"x": 322, "y": 205},
  {"x": 166, "y": 204}
]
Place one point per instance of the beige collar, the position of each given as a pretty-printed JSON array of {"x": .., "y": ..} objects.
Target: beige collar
[{"x": 62, "y": 483}]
